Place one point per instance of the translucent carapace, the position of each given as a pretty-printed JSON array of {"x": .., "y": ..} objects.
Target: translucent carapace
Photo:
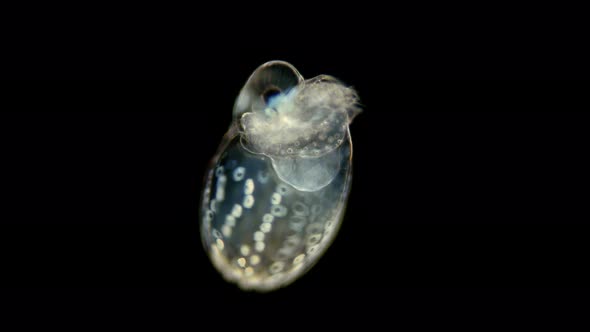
[{"x": 276, "y": 191}]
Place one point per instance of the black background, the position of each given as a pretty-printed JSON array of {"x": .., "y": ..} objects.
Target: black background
[{"x": 469, "y": 197}]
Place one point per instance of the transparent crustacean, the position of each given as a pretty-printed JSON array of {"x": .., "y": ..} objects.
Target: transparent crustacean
[{"x": 276, "y": 190}]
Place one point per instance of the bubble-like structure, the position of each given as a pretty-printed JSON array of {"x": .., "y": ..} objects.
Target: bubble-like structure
[{"x": 276, "y": 191}]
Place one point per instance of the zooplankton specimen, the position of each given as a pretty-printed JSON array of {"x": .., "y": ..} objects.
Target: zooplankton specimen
[{"x": 276, "y": 190}]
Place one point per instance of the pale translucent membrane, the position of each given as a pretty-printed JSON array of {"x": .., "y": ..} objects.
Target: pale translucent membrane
[
  {"x": 307, "y": 120},
  {"x": 276, "y": 191}
]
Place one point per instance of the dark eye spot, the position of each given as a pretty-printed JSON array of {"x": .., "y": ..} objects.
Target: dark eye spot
[{"x": 269, "y": 93}]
